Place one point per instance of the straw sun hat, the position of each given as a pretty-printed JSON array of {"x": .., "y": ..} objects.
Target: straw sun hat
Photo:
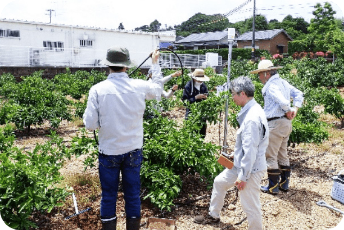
[
  {"x": 265, "y": 65},
  {"x": 199, "y": 75}
]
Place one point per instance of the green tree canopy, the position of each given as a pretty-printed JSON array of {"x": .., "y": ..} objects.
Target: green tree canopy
[
  {"x": 335, "y": 42},
  {"x": 121, "y": 27},
  {"x": 295, "y": 27},
  {"x": 261, "y": 23},
  {"x": 322, "y": 24},
  {"x": 200, "y": 23},
  {"x": 323, "y": 21},
  {"x": 143, "y": 28},
  {"x": 154, "y": 26}
]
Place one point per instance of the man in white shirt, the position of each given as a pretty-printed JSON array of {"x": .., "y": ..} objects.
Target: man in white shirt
[
  {"x": 116, "y": 106},
  {"x": 277, "y": 93}
]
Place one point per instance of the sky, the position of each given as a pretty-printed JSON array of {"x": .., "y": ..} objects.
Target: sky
[{"x": 136, "y": 13}]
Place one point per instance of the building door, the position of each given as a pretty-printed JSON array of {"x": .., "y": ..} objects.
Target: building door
[{"x": 280, "y": 49}]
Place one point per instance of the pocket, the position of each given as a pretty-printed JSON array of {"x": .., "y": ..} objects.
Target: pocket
[
  {"x": 135, "y": 158},
  {"x": 108, "y": 161},
  {"x": 272, "y": 124}
]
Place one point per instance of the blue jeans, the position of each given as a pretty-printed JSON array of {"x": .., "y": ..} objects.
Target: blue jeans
[{"x": 109, "y": 170}]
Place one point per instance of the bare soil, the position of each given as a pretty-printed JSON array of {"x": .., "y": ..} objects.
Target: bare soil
[{"x": 312, "y": 168}]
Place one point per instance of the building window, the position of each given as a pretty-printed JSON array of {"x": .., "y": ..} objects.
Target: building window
[
  {"x": 57, "y": 46},
  {"x": 60, "y": 46},
  {"x": 47, "y": 45},
  {"x": 9, "y": 33},
  {"x": 250, "y": 47},
  {"x": 86, "y": 43}
]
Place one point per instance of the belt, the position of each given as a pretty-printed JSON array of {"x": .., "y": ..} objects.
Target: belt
[
  {"x": 132, "y": 151},
  {"x": 275, "y": 118}
]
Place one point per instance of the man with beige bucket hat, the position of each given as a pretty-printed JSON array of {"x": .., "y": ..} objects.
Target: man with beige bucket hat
[
  {"x": 277, "y": 93},
  {"x": 116, "y": 106}
]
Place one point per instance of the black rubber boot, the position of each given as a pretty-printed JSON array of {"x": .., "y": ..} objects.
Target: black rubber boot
[
  {"x": 273, "y": 186},
  {"x": 285, "y": 177},
  {"x": 133, "y": 223},
  {"x": 109, "y": 225}
]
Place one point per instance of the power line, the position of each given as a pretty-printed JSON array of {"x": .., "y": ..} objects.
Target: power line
[
  {"x": 224, "y": 16},
  {"x": 238, "y": 9}
]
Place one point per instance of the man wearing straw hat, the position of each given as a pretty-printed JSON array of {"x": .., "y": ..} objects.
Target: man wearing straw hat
[
  {"x": 277, "y": 93},
  {"x": 195, "y": 91},
  {"x": 116, "y": 106}
]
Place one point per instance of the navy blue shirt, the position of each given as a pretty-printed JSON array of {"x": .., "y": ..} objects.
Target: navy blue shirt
[{"x": 189, "y": 93}]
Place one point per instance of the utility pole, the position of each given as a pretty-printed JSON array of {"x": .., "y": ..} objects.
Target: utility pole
[
  {"x": 50, "y": 10},
  {"x": 253, "y": 31}
]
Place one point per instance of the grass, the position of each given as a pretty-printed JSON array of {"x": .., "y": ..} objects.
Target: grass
[
  {"x": 77, "y": 121},
  {"x": 83, "y": 197}
]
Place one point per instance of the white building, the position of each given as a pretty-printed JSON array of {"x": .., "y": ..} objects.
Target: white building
[{"x": 24, "y": 43}]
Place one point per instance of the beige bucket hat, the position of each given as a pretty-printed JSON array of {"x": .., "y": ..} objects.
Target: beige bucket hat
[
  {"x": 265, "y": 65},
  {"x": 199, "y": 75},
  {"x": 118, "y": 56}
]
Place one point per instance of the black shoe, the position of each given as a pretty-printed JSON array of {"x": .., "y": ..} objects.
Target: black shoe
[
  {"x": 133, "y": 223},
  {"x": 109, "y": 225}
]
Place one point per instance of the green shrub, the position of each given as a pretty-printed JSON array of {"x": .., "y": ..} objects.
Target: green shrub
[{"x": 28, "y": 180}]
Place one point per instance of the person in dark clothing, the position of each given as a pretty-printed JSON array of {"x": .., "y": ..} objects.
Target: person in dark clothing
[{"x": 195, "y": 91}]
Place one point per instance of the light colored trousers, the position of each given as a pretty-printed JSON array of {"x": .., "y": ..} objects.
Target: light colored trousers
[
  {"x": 249, "y": 197},
  {"x": 276, "y": 153}
]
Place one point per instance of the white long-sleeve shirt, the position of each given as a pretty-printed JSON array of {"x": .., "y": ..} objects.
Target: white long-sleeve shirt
[
  {"x": 163, "y": 80},
  {"x": 251, "y": 141},
  {"x": 277, "y": 93},
  {"x": 116, "y": 106}
]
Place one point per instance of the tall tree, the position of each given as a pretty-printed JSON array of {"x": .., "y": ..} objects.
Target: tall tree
[
  {"x": 295, "y": 27},
  {"x": 335, "y": 42},
  {"x": 274, "y": 24},
  {"x": 121, "y": 27},
  {"x": 154, "y": 26},
  {"x": 323, "y": 21},
  {"x": 261, "y": 23}
]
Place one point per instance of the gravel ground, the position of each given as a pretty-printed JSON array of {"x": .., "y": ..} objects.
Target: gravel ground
[{"x": 313, "y": 166}]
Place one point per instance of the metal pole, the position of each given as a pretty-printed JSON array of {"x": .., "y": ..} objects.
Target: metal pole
[
  {"x": 253, "y": 31},
  {"x": 231, "y": 36}
]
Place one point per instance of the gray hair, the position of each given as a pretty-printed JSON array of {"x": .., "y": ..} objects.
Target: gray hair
[
  {"x": 273, "y": 72},
  {"x": 243, "y": 84}
]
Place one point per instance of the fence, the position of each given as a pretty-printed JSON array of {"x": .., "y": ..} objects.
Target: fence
[
  {"x": 49, "y": 56},
  {"x": 79, "y": 57},
  {"x": 169, "y": 60}
]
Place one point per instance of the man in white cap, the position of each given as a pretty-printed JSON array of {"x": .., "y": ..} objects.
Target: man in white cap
[
  {"x": 277, "y": 93},
  {"x": 116, "y": 106},
  {"x": 195, "y": 91}
]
